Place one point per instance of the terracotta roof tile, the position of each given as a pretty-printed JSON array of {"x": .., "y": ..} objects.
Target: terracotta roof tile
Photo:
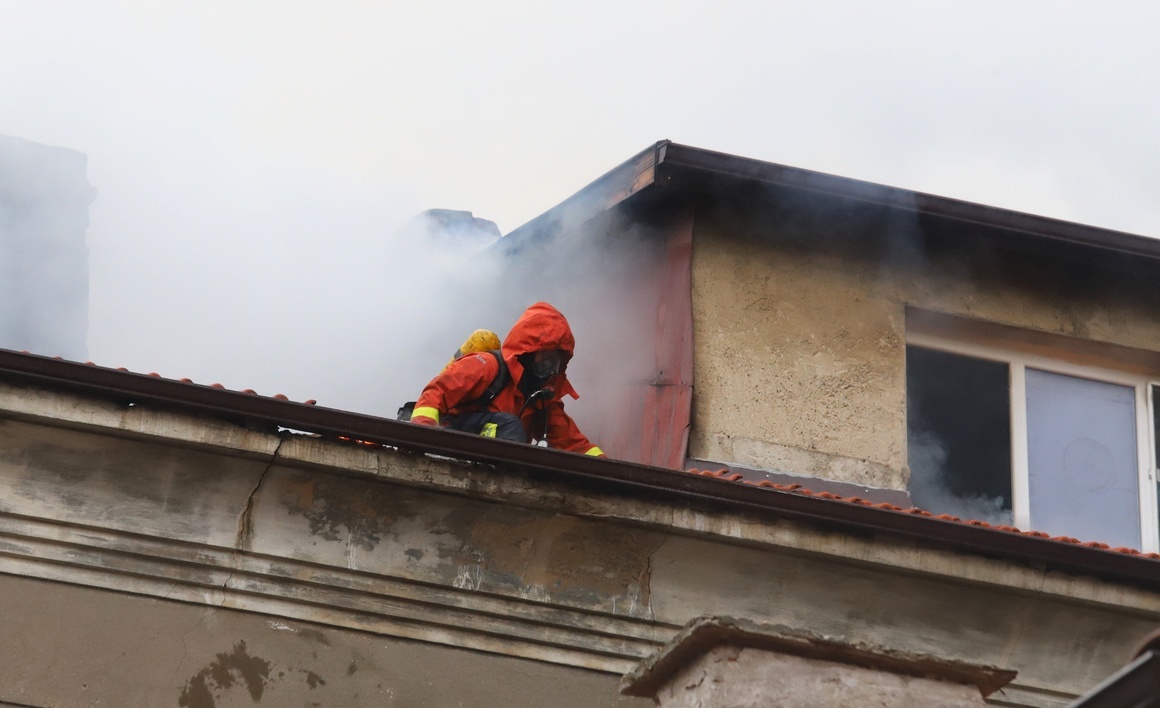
[
  {"x": 730, "y": 476},
  {"x": 154, "y": 374}
]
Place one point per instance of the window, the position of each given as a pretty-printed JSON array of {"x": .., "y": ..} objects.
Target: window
[{"x": 1026, "y": 431}]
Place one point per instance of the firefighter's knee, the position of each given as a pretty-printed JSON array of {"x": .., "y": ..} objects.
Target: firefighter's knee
[{"x": 489, "y": 430}]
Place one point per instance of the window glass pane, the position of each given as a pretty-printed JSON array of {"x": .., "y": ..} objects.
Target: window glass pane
[
  {"x": 958, "y": 435},
  {"x": 1081, "y": 445}
]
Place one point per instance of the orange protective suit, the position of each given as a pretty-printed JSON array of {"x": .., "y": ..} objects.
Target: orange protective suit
[{"x": 540, "y": 328}]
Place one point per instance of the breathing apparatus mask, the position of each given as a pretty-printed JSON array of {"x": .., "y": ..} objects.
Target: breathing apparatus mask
[{"x": 539, "y": 370}]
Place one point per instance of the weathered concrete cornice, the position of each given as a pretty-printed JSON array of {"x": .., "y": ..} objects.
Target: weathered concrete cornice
[
  {"x": 704, "y": 633},
  {"x": 602, "y": 475},
  {"x": 283, "y": 587},
  {"x": 508, "y": 561},
  {"x": 536, "y": 492}
]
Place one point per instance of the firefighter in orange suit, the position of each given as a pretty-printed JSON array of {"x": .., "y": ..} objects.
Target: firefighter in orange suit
[{"x": 515, "y": 396}]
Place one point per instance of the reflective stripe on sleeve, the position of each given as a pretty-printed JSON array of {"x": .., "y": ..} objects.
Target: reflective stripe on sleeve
[
  {"x": 595, "y": 451},
  {"x": 426, "y": 412}
]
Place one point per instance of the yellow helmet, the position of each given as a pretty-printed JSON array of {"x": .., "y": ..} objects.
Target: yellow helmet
[{"x": 481, "y": 340}]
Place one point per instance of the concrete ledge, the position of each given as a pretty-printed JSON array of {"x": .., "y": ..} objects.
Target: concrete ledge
[
  {"x": 103, "y": 417},
  {"x": 705, "y": 633},
  {"x": 506, "y": 561},
  {"x": 286, "y": 588}
]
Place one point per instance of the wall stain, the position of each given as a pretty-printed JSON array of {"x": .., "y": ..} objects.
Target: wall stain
[
  {"x": 340, "y": 508},
  {"x": 222, "y": 673},
  {"x": 551, "y": 558},
  {"x": 69, "y": 469},
  {"x": 313, "y": 680},
  {"x": 315, "y": 636}
]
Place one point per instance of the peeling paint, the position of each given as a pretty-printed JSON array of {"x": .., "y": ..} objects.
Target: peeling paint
[{"x": 470, "y": 573}]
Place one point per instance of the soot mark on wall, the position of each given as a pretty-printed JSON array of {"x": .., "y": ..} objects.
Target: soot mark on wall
[
  {"x": 561, "y": 558},
  {"x": 340, "y": 508},
  {"x": 225, "y": 671}
]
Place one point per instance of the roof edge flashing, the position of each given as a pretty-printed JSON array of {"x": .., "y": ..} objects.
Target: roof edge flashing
[
  {"x": 696, "y": 161},
  {"x": 613, "y": 187}
]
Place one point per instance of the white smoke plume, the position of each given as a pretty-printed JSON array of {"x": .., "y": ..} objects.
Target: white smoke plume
[
  {"x": 930, "y": 490},
  {"x": 44, "y": 201}
]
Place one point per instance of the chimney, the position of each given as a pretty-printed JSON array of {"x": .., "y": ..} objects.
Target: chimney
[{"x": 450, "y": 228}]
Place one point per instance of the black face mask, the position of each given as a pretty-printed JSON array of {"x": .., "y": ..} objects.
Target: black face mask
[
  {"x": 544, "y": 370},
  {"x": 537, "y": 374}
]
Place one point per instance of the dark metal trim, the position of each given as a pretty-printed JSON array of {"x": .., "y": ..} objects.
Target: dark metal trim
[
  {"x": 674, "y": 167},
  {"x": 691, "y": 162},
  {"x": 610, "y": 475},
  {"x": 634, "y": 175},
  {"x": 1137, "y": 685}
]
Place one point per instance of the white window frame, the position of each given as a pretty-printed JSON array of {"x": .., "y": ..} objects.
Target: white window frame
[{"x": 1018, "y": 362}]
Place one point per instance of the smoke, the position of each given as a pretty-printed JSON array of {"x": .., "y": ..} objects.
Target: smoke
[
  {"x": 253, "y": 167},
  {"x": 294, "y": 284},
  {"x": 930, "y": 487},
  {"x": 320, "y": 287},
  {"x": 603, "y": 276},
  {"x": 44, "y": 200}
]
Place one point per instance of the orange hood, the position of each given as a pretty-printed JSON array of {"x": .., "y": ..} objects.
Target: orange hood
[{"x": 540, "y": 328}]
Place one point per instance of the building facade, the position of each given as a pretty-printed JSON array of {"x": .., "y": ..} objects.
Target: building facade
[{"x": 169, "y": 543}]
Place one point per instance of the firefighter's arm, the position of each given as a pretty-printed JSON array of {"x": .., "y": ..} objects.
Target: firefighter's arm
[
  {"x": 463, "y": 380},
  {"x": 563, "y": 433}
]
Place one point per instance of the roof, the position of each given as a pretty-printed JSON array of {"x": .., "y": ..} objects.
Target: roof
[
  {"x": 719, "y": 489},
  {"x": 739, "y": 478},
  {"x": 674, "y": 169}
]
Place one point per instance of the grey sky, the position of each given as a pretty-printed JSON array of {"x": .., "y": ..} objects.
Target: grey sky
[{"x": 252, "y": 160}]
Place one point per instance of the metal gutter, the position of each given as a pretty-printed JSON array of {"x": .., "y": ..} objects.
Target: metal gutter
[{"x": 611, "y": 475}]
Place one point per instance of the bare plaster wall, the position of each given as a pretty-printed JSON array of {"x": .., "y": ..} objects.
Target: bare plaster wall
[
  {"x": 1060, "y": 297},
  {"x": 800, "y": 329},
  {"x": 69, "y": 646},
  {"x": 798, "y": 362}
]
